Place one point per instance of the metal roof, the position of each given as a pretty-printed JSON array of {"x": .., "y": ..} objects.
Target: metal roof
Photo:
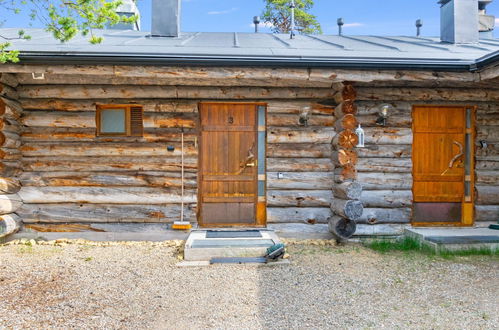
[{"x": 128, "y": 46}]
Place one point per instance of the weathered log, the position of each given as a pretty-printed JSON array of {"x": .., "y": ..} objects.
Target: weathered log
[
  {"x": 293, "y": 120},
  {"x": 425, "y": 94},
  {"x": 301, "y": 135},
  {"x": 375, "y": 216},
  {"x": 296, "y": 107},
  {"x": 106, "y": 149},
  {"x": 10, "y": 169},
  {"x": 380, "y": 230},
  {"x": 10, "y": 154},
  {"x": 149, "y": 105},
  {"x": 299, "y": 198},
  {"x": 345, "y": 107},
  {"x": 487, "y": 195},
  {"x": 392, "y": 121},
  {"x": 114, "y": 164},
  {"x": 347, "y": 190},
  {"x": 87, "y": 119},
  {"x": 9, "y": 224},
  {"x": 346, "y": 139},
  {"x": 487, "y": 212},
  {"x": 488, "y": 165},
  {"x": 299, "y": 165},
  {"x": 385, "y": 151},
  {"x": 341, "y": 228},
  {"x": 82, "y": 212},
  {"x": 348, "y": 121},
  {"x": 108, "y": 179},
  {"x": 10, "y": 125},
  {"x": 8, "y": 92},
  {"x": 11, "y": 109},
  {"x": 488, "y": 133},
  {"x": 43, "y": 134},
  {"x": 388, "y": 165},
  {"x": 9, "y": 186},
  {"x": 8, "y": 79},
  {"x": 386, "y": 198},
  {"x": 379, "y": 181},
  {"x": 344, "y": 157},
  {"x": 346, "y": 173},
  {"x": 491, "y": 152},
  {"x": 487, "y": 177},
  {"x": 9, "y": 140},
  {"x": 388, "y": 135},
  {"x": 300, "y": 180},
  {"x": 348, "y": 93},
  {"x": 350, "y": 209},
  {"x": 310, "y": 215},
  {"x": 104, "y": 195},
  {"x": 173, "y": 92},
  {"x": 10, "y": 203},
  {"x": 404, "y": 108},
  {"x": 487, "y": 119},
  {"x": 298, "y": 150}
]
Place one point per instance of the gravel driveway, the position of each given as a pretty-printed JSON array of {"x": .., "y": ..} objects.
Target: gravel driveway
[{"x": 139, "y": 287}]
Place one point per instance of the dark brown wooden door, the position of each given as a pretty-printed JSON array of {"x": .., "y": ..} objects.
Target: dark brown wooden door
[
  {"x": 228, "y": 164},
  {"x": 441, "y": 158}
]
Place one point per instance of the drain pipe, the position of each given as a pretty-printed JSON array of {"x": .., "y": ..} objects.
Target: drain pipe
[{"x": 9, "y": 224}]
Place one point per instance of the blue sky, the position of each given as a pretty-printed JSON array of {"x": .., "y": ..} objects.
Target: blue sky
[{"x": 362, "y": 17}]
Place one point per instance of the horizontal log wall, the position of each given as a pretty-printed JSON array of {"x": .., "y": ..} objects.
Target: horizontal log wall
[
  {"x": 70, "y": 175},
  {"x": 385, "y": 165}
]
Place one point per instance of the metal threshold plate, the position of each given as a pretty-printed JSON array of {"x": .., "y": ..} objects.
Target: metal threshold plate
[
  {"x": 232, "y": 234},
  {"x": 462, "y": 239},
  {"x": 231, "y": 243}
]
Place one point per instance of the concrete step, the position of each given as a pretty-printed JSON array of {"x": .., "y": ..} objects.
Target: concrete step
[
  {"x": 199, "y": 247},
  {"x": 456, "y": 239}
]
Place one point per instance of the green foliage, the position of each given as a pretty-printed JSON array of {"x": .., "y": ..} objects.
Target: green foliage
[
  {"x": 277, "y": 13},
  {"x": 64, "y": 19},
  {"x": 411, "y": 245}
]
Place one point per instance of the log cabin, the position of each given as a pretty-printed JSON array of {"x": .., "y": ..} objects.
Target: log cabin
[{"x": 364, "y": 134}]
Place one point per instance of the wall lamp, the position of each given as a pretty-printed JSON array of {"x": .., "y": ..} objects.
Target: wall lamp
[
  {"x": 384, "y": 112},
  {"x": 305, "y": 114}
]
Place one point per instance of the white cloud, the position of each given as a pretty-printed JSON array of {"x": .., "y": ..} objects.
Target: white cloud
[
  {"x": 353, "y": 24},
  {"x": 265, "y": 24},
  {"x": 223, "y": 12},
  {"x": 497, "y": 20}
]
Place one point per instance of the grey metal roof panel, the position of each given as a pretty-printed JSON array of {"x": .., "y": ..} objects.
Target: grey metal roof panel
[{"x": 262, "y": 48}]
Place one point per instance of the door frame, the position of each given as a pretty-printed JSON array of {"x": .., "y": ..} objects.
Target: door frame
[
  {"x": 468, "y": 205},
  {"x": 260, "y": 201}
]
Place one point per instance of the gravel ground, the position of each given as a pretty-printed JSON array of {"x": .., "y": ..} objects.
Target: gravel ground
[{"x": 139, "y": 286}]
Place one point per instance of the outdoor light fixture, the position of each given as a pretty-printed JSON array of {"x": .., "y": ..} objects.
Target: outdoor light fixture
[
  {"x": 360, "y": 133},
  {"x": 304, "y": 116},
  {"x": 38, "y": 75},
  {"x": 384, "y": 111}
]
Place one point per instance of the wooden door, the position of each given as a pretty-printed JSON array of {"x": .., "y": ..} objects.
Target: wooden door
[
  {"x": 228, "y": 164},
  {"x": 442, "y": 154}
]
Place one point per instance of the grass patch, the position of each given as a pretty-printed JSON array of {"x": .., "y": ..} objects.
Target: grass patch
[{"x": 409, "y": 244}]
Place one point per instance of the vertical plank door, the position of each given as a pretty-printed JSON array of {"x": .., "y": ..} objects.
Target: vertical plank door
[
  {"x": 228, "y": 164},
  {"x": 442, "y": 165}
]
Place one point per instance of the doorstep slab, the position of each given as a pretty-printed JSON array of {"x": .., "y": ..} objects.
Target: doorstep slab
[{"x": 199, "y": 247}]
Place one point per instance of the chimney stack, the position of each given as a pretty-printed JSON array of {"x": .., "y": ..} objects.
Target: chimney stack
[
  {"x": 459, "y": 21},
  {"x": 486, "y": 22},
  {"x": 128, "y": 9},
  {"x": 165, "y": 18}
]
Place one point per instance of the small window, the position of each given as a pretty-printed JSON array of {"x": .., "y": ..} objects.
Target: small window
[{"x": 119, "y": 120}]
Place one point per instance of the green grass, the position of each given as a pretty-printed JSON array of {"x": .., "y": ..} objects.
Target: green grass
[{"x": 411, "y": 245}]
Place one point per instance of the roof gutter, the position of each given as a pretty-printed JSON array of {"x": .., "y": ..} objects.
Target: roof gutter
[{"x": 263, "y": 61}]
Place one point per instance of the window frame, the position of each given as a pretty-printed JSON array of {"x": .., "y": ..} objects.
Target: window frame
[{"x": 128, "y": 121}]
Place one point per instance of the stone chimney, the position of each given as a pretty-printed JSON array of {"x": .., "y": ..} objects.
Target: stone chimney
[
  {"x": 459, "y": 21},
  {"x": 165, "y": 18},
  {"x": 128, "y": 9},
  {"x": 486, "y": 22}
]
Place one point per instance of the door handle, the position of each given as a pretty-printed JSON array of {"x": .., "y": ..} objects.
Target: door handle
[
  {"x": 250, "y": 161},
  {"x": 458, "y": 155}
]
